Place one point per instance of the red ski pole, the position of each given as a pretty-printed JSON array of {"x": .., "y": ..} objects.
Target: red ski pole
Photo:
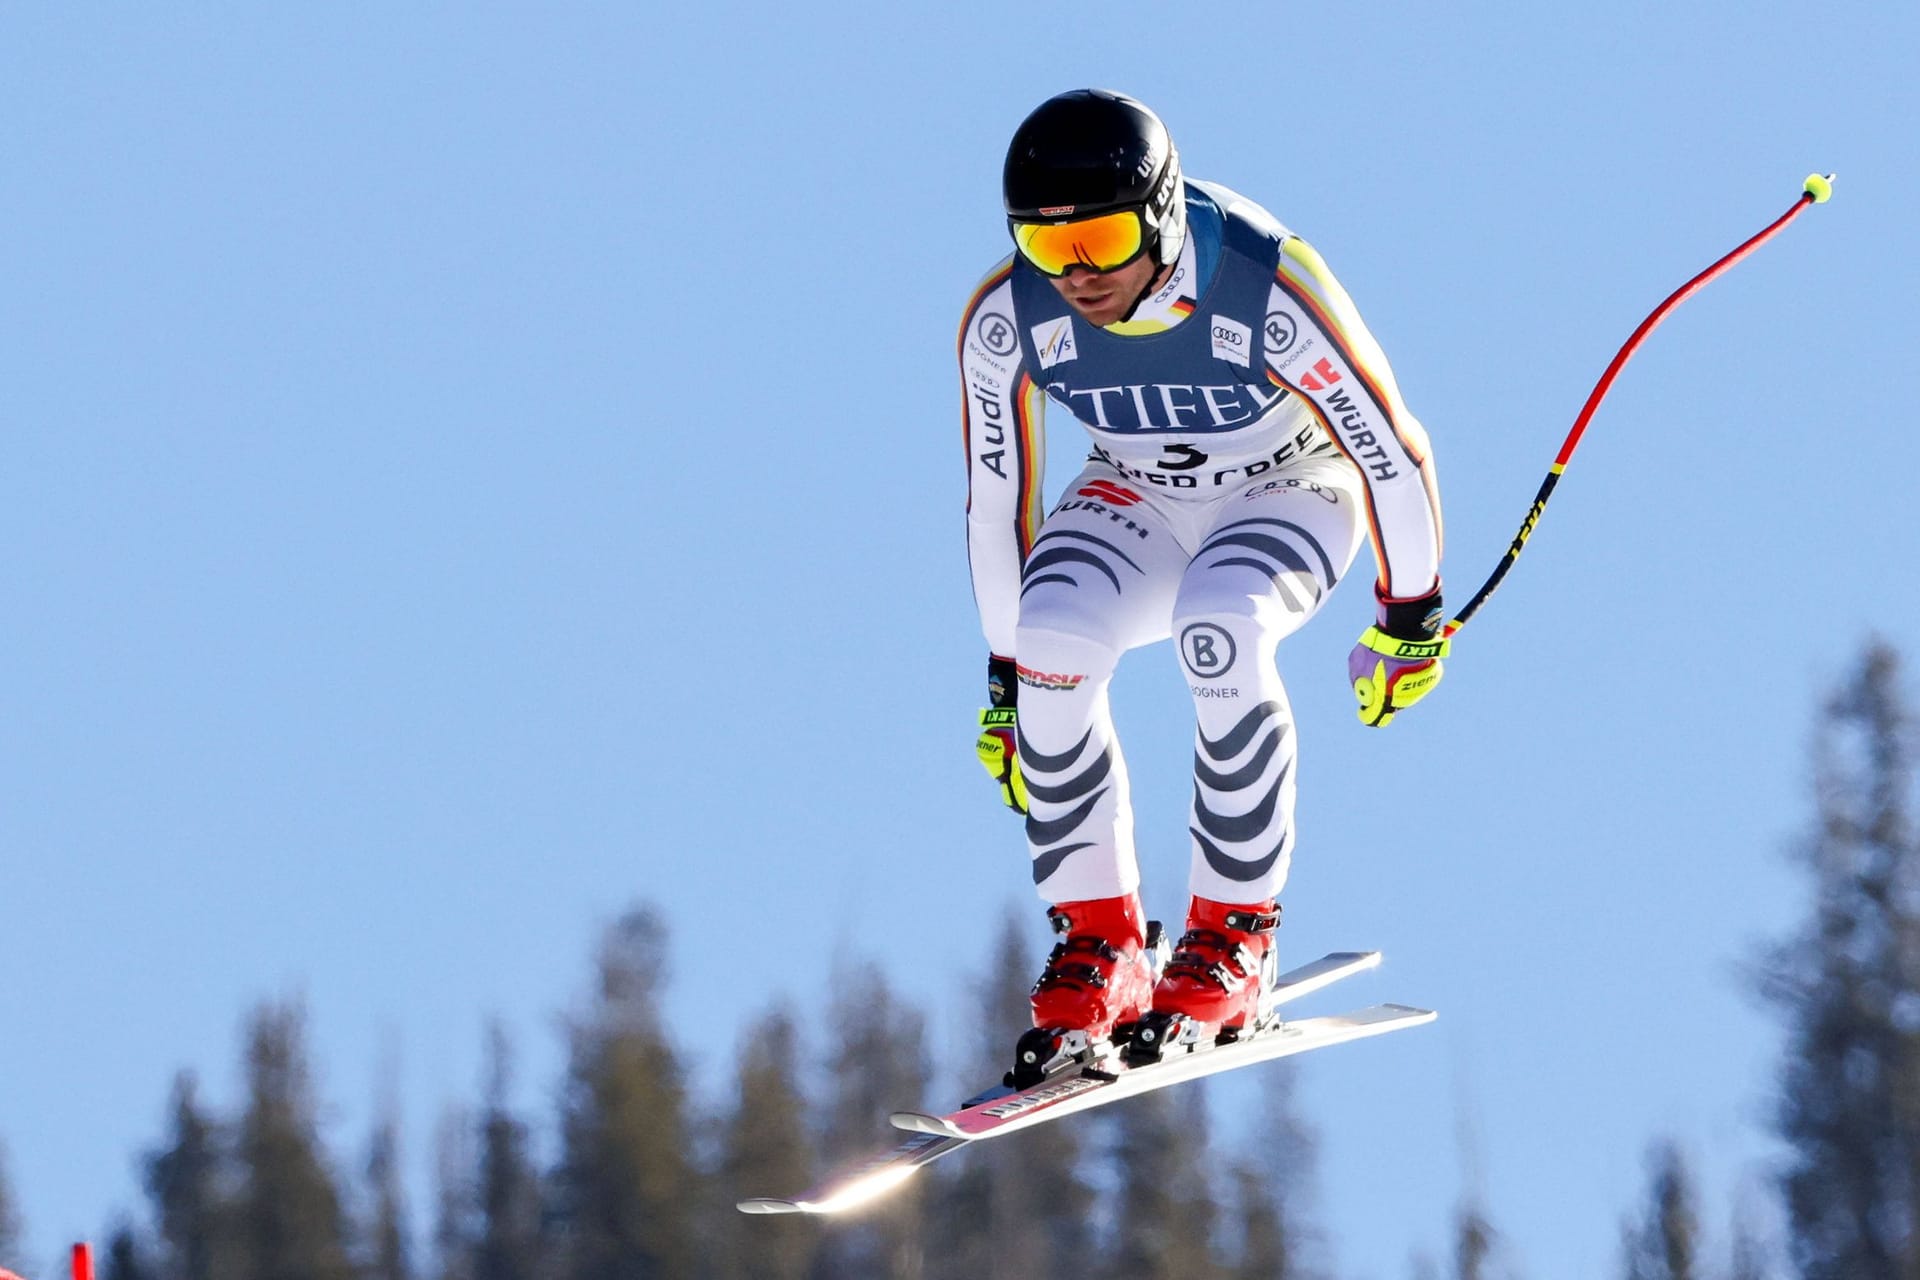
[
  {"x": 1817, "y": 190},
  {"x": 83, "y": 1261}
]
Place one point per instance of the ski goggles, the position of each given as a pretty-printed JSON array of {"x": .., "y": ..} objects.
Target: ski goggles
[{"x": 1106, "y": 242}]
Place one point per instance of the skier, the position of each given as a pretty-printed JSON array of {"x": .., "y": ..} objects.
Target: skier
[{"x": 1247, "y": 435}]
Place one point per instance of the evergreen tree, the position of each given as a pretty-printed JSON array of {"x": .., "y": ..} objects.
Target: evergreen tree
[
  {"x": 10, "y": 1229},
  {"x": 1164, "y": 1215},
  {"x": 509, "y": 1245},
  {"x": 629, "y": 1190},
  {"x": 1473, "y": 1240},
  {"x": 126, "y": 1259},
  {"x": 288, "y": 1221},
  {"x": 188, "y": 1181},
  {"x": 1849, "y": 1105},
  {"x": 878, "y": 1064},
  {"x": 764, "y": 1151},
  {"x": 1018, "y": 1206},
  {"x": 1748, "y": 1253},
  {"x": 456, "y": 1231},
  {"x": 1748, "y": 1257},
  {"x": 1664, "y": 1243},
  {"x": 1266, "y": 1252},
  {"x": 1273, "y": 1187},
  {"x": 386, "y": 1253}
]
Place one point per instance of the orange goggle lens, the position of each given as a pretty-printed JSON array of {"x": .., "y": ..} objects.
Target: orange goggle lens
[{"x": 1104, "y": 243}]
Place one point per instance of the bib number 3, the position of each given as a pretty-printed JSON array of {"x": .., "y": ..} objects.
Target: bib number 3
[{"x": 1181, "y": 457}]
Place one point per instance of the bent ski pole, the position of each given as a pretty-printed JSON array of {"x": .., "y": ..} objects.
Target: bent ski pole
[{"x": 1817, "y": 190}]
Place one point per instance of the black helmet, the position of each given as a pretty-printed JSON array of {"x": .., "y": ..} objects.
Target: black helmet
[{"x": 1092, "y": 151}]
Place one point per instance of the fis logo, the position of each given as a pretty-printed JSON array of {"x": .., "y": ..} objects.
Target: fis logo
[{"x": 1053, "y": 339}]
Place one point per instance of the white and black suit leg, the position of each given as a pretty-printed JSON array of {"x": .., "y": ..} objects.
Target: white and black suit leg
[
  {"x": 1269, "y": 560},
  {"x": 1099, "y": 580}
]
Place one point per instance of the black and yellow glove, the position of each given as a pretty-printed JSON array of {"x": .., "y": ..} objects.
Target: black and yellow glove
[
  {"x": 1398, "y": 661},
  {"x": 998, "y": 744}
]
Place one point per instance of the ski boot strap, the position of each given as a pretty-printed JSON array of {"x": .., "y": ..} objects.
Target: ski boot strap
[{"x": 1253, "y": 921}]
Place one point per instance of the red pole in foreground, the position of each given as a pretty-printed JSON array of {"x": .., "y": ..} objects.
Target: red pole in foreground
[{"x": 83, "y": 1261}]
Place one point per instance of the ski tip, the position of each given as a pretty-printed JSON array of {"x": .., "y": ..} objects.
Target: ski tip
[
  {"x": 1409, "y": 1013},
  {"x": 767, "y": 1204},
  {"x": 921, "y": 1122}
]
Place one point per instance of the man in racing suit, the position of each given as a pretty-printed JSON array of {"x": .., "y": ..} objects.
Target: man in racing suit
[{"x": 1247, "y": 437}]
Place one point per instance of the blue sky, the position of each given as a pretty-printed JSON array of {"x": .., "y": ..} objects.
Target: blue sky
[{"x": 469, "y": 470}]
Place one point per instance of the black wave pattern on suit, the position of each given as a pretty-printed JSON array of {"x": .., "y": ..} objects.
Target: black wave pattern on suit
[
  {"x": 1058, "y": 549},
  {"x": 1213, "y": 829},
  {"x": 1276, "y": 557},
  {"x": 1085, "y": 786}
]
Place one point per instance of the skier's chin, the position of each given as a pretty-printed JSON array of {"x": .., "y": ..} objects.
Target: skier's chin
[{"x": 1102, "y": 310}]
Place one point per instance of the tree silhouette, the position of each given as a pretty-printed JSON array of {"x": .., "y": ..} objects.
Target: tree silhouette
[
  {"x": 1849, "y": 1106},
  {"x": 188, "y": 1182},
  {"x": 765, "y": 1151},
  {"x": 1663, "y": 1243},
  {"x": 1164, "y": 1211},
  {"x": 288, "y": 1221},
  {"x": 628, "y": 1187},
  {"x": 387, "y": 1254},
  {"x": 10, "y": 1228},
  {"x": 1473, "y": 1241},
  {"x": 456, "y": 1213},
  {"x": 1018, "y": 1206},
  {"x": 877, "y": 1063},
  {"x": 509, "y": 1245},
  {"x": 1273, "y": 1186},
  {"x": 126, "y": 1259}
]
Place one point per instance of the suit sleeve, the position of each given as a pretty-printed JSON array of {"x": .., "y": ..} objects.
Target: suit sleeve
[
  {"x": 1001, "y": 417},
  {"x": 1334, "y": 365}
]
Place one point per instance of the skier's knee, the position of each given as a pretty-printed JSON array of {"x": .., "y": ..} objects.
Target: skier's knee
[
  {"x": 1252, "y": 620},
  {"x": 1221, "y": 639},
  {"x": 1063, "y": 653}
]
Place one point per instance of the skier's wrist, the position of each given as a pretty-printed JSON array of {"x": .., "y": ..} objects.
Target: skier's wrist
[
  {"x": 1003, "y": 681},
  {"x": 1410, "y": 617}
]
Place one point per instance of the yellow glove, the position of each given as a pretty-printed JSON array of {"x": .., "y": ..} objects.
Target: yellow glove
[
  {"x": 1391, "y": 671},
  {"x": 999, "y": 751},
  {"x": 999, "y": 742}
]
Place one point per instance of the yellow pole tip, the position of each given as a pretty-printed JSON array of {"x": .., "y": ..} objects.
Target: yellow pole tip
[{"x": 1820, "y": 187}]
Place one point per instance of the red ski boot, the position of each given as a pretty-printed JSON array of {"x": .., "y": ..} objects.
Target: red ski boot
[
  {"x": 1219, "y": 971},
  {"x": 1099, "y": 975}
]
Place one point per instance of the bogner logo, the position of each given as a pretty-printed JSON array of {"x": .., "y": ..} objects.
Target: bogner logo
[
  {"x": 1053, "y": 339},
  {"x": 1232, "y": 341}
]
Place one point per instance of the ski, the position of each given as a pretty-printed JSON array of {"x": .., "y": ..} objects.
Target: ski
[
  {"x": 1011, "y": 1111},
  {"x": 1080, "y": 1069},
  {"x": 1098, "y": 1076}
]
